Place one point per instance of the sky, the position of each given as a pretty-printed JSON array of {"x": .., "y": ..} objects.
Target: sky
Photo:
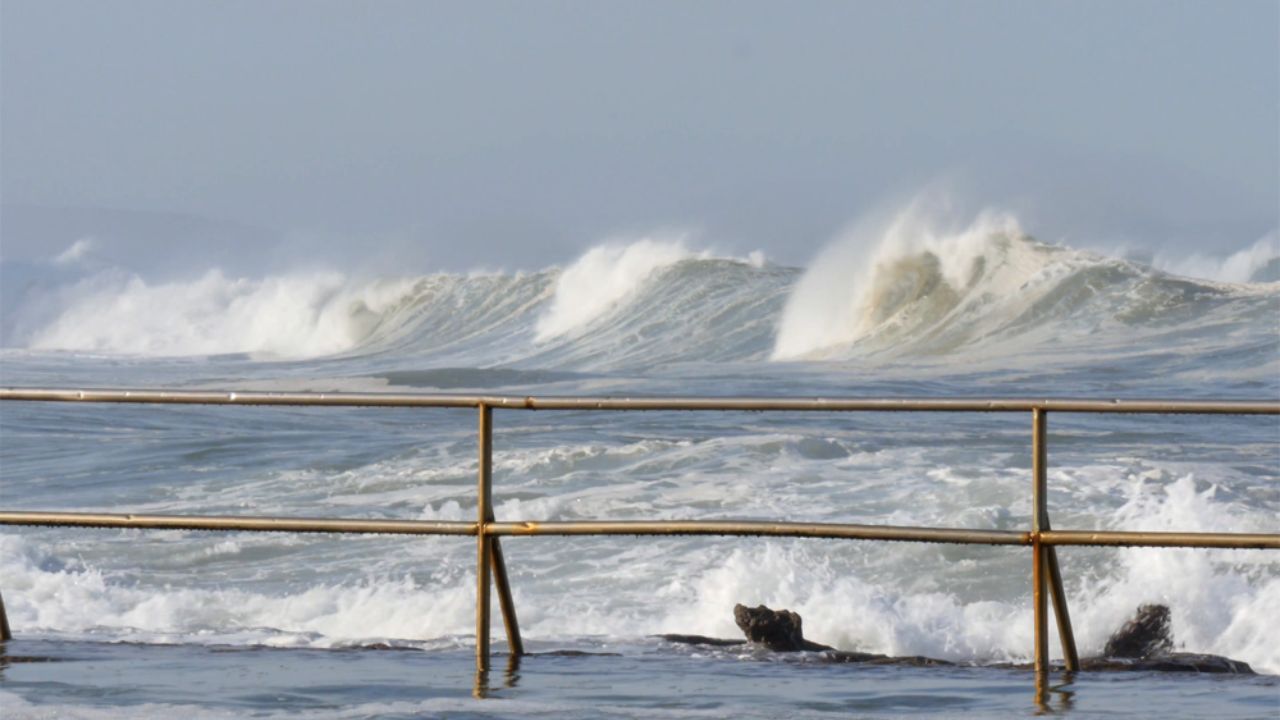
[{"x": 517, "y": 134}]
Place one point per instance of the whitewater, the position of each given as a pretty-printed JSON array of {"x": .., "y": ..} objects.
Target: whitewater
[{"x": 906, "y": 305}]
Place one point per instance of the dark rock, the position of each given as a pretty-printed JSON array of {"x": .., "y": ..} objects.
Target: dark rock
[
  {"x": 1143, "y": 644},
  {"x": 572, "y": 653},
  {"x": 777, "y": 630},
  {"x": 383, "y": 646},
  {"x": 1173, "y": 662},
  {"x": 1146, "y": 635},
  {"x": 844, "y": 656},
  {"x": 1196, "y": 662},
  {"x": 700, "y": 640},
  {"x": 911, "y": 660}
]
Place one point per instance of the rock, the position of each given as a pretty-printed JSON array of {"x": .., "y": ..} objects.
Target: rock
[
  {"x": 1196, "y": 662},
  {"x": 573, "y": 653},
  {"x": 1143, "y": 644},
  {"x": 1173, "y": 662},
  {"x": 1146, "y": 635},
  {"x": 777, "y": 630},
  {"x": 681, "y": 639}
]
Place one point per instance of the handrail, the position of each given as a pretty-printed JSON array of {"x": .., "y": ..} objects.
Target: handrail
[
  {"x": 639, "y": 528},
  {"x": 1046, "y": 576},
  {"x": 525, "y": 402}
]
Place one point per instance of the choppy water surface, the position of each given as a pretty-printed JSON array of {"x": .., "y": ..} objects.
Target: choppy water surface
[{"x": 157, "y": 623}]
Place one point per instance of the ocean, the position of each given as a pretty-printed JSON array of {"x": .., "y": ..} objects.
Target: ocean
[{"x": 113, "y": 623}]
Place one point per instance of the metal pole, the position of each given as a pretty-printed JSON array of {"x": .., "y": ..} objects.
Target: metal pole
[
  {"x": 528, "y": 528},
  {"x": 1050, "y": 554},
  {"x": 357, "y": 526},
  {"x": 1116, "y": 538},
  {"x": 483, "y": 548},
  {"x": 497, "y": 563},
  {"x": 834, "y": 404},
  {"x": 505, "y": 601},
  {"x": 1060, "y": 612},
  {"x": 4, "y": 623},
  {"x": 1038, "y": 563},
  {"x": 756, "y": 528}
]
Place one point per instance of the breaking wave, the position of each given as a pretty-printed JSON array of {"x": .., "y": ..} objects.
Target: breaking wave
[
  {"x": 916, "y": 284},
  {"x": 912, "y": 286},
  {"x": 602, "y": 278},
  {"x": 1258, "y": 263},
  {"x": 285, "y": 316}
]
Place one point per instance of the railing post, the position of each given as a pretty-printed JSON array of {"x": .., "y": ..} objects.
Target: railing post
[
  {"x": 1059, "y": 596},
  {"x": 505, "y": 601},
  {"x": 5, "y": 635},
  {"x": 1049, "y": 555},
  {"x": 483, "y": 548},
  {"x": 1038, "y": 564},
  {"x": 495, "y": 563}
]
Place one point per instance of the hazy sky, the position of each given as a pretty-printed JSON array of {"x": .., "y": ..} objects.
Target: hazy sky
[{"x": 516, "y": 134}]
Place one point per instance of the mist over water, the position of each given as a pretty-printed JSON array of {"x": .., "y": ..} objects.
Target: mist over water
[{"x": 909, "y": 303}]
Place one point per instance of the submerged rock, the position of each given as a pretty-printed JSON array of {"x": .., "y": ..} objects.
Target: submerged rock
[
  {"x": 1173, "y": 662},
  {"x": 681, "y": 639}
]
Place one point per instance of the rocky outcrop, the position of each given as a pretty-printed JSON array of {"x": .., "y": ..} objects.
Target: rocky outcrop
[
  {"x": 681, "y": 639},
  {"x": 1146, "y": 635},
  {"x": 1172, "y": 662},
  {"x": 1144, "y": 644},
  {"x": 777, "y": 630}
]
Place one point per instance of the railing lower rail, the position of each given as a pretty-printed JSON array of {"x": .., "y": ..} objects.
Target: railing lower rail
[{"x": 1046, "y": 575}]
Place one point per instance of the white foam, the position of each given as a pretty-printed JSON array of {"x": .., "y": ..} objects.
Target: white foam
[
  {"x": 1221, "y": 601},
  {"x": 77, "y": 600},
  {"x": 903, "y": 275},
  {"x": 1242, "y": 266},
  {"x": 604, "y": 277},
  {"x": 290, "y": 316},
  {"x": 890, "y": 598}
]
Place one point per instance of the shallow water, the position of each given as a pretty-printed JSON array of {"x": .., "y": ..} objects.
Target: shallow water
[{"x": 77, "y": 679}]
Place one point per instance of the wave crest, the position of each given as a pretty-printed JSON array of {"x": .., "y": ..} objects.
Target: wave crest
[
  {"x": 916, "y": 285},
  {"x": 602, "y": 278},
  {"x": 903, "y": 277},
  {"x": 282, "y": 316}
]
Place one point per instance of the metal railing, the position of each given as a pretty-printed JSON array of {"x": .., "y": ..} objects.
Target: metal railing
[{"x": 1046, "y": 575}]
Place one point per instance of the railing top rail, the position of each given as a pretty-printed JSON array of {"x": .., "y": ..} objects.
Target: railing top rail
[{"x": 829, "y": 404}]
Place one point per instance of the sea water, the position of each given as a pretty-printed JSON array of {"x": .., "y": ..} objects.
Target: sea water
[{"x": 157, "y": 623}]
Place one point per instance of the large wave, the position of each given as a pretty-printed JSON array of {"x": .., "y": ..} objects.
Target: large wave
[
  {"x": 1258, "y": 263},
  {"x": 284, "y": 316},
  {"x": 911, "y": 286},
  {"x": 919, "y": 284},
  {"x": 602, "y": 278}
]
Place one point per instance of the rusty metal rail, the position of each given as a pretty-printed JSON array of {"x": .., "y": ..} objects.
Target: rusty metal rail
[
  {"x": 1046, "y": 573},
  {"x": 762, "y": 404}
]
